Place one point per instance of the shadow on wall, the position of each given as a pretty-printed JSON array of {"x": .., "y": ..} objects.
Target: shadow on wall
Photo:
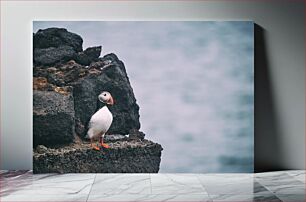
[{"x": 267, "y": 134}]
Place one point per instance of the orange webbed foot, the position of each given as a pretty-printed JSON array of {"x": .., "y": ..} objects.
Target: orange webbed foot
[
  {"x": 106, "y": 146},
  {"x": 96, "y": 148}
]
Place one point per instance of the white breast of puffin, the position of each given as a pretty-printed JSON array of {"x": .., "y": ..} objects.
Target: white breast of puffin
[{"x": 102, "y": 120}]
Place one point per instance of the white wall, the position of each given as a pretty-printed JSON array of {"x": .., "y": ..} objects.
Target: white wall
[{"x": 283, "y": 24}]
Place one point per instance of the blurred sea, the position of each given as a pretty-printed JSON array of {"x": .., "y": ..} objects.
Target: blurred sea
[{"x": 194, "y": 83}]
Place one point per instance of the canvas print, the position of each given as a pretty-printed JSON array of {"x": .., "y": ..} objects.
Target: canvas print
[{"x": 143, "y": 96}]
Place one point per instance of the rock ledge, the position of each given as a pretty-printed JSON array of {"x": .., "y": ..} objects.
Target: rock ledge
[{"x": 124, "y": 156}]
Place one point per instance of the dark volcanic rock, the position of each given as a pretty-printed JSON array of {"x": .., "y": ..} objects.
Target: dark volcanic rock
[
  {"x": 93, "y": 52},
  {"x": 57, "y": 37},
  {"x": 66, "y": 85},
  {"x": 107, "y": 74},
  {"x": 53, "y": 117},
  {"x": 136, "y": 134},
  {"x": 89, "y": 55},
  {"x": 57, "y": 45},
  {"x": 113, "y": 78},
  {"x": 50, "y": 56},
  {"x": 123, "y": 157}
]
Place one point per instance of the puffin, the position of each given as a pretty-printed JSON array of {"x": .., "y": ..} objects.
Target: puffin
[{"x": 101, "y": 121}]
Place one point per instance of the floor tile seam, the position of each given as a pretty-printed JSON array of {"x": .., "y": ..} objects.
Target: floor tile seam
[
  {"x": 208, "y": 194},
  {"x": 274, "y": 193},
  {"x": 91, "y": 187}
]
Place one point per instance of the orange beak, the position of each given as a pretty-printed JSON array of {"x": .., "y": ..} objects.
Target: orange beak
[{"x": 111, "y": 101}]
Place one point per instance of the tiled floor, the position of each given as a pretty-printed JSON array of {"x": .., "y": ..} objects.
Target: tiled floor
[{"x": 273, "y": 186}]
